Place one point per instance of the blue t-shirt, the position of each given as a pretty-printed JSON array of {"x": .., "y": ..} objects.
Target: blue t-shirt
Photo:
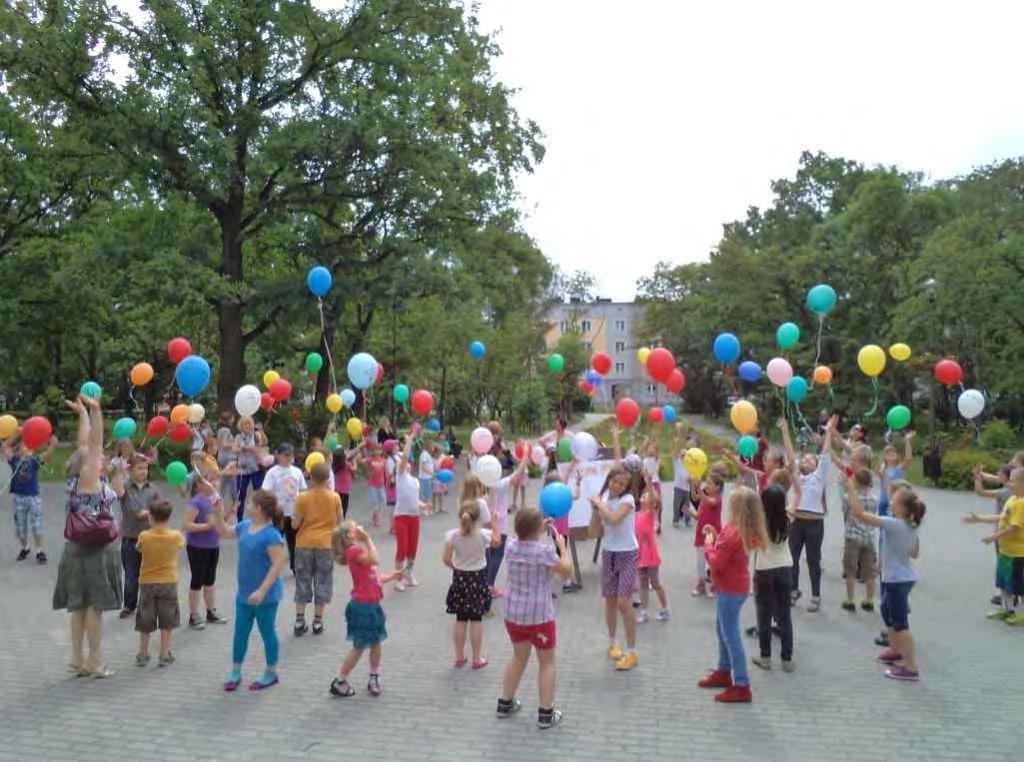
[
  {"x": 254, "y": 561},
  {"x": 25, "y": 477},
  {"x": 900, "y": 539}
]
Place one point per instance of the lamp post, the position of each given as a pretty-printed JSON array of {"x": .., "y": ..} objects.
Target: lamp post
[{"x": 929, "y": 293}]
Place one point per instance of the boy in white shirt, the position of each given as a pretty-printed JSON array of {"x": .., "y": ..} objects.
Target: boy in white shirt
[{"x": 286, "y": 481}]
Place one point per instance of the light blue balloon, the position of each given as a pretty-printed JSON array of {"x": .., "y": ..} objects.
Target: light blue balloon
[
  {"x": 192, "y": 375},
  {"x": 91, "y": 389},
  {"x": 821, "y": 299},
  {"x": 434, "y": 425},
  {"x": 726, "y": 348},
  {"x": 318, "y": 280},
  {"x": 362, "y": 370},
  {"x": 477, "y": 349},
  {"x": 750, "y": 371},
  {"x": 445, "y": 476},
  {"x": 747, "y": 446},
  {"x": 796, "y": 390},
  {"x": 668, "y": 414},
  {"x": 348, "y": 397},
  {"x": 555, "y": 500}
]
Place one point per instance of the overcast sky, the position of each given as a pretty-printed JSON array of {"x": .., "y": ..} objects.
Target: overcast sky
[{"x": 665, "y": 119}]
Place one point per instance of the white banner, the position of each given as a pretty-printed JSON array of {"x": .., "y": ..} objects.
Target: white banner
[{"x": 592, "y": 479}]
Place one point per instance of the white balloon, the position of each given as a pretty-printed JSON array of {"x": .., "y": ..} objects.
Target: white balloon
[
  {"x": 196, "y": 413},
  {"x": 538, "y": 455},
  {"x": 584, "y": 447},
  {"x": 971, "y": 404},
  {"x": 488, "y": 470},
  {"x": 247, "y": 400}
]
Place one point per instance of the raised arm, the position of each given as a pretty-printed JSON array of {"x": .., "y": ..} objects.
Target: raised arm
[
  {"x": 787, "y": 443},
  {"x": 908, "y": 450},
  {"x": 826, "y": 441},
  {"x": 403, "y": 459},
  {"x": 224, "y": 530},
  {"x": 616, "y": 445},
  {"x": 48, "y": 453},
  {"x": 612, "y": 517},
  {"x": 979, "y": 487},
  {"x": 82, "y": 436}
]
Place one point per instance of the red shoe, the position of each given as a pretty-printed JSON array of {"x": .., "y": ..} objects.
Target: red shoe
[
  {"x": 716, "y": 678},
  {"x": 735, "y": 694}
]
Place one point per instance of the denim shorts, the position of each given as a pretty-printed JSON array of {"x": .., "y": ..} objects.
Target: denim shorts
[{"x": 896, "y": 605}]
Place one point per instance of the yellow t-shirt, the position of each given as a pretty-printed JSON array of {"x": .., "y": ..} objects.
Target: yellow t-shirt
[
  {"x": 159, "y": 549},
  {"x": 1013, "y": 514},
  {"x": 320, "y": 511}
]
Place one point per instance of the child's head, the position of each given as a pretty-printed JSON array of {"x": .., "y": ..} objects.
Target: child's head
[
  {"x": 1003, "y": 474},
  {"x": 808, "y": 463},
  {"x": 529, "y": 524},
  {"x": 433, "y": 449},
  {"x": 125, "y": 449},
  {"x": 469, "y": 515},
  {"x": 263, "y": 508},
  {"x": 384, "y": 423},
  {"x": 889, "y": 456},
  {"x": 649, "y": 501},
  {"x": 692, "y": 441},
  {"x": 139, "y": 469},
  {"x": 860, "y": 456},
  {"x": 773, "y": 499},
  {"x": 858, "y": 433},
  {"x": 552, "y": 477},
  {"x": 714, "y": 484},
  {"x": 651, "y": 449},
  {"x": 1018, "y": 459},
  {"x": 775, "y": 460},
  {"x": 316, "y": 444},
  {"x": 227, "y": 419},
  {"x": 781, "y": 477},
  {"x": 246, "y": 424},
  {"x": 908, "y": 506},
  {"x": 160, "y": 513},
  {"x": 339, "y": 460},
  {"x": 617, "y": 482},
  {"x": 210, "y": 446},
  {"x": 495, "y": 428},
  {"x": 1016, "y": 481},
  {"x": 862, "y": 478},
  {"x": 344, "y": 537},
  {"x": 747, "y": 515},
  {"x": 285, "y": 455},
  {"x": 320, "y": 475},
  {"x": 472, "y": 488}
]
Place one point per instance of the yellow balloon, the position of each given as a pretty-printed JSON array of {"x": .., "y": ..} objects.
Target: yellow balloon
[
  {"x": 314, "y": 458},
  {"x": 8, "y": 426},
  {"x": 642, "y": 354},
  {"x": 899, "y": 352},
  {"x": 744, "y": 417},
  {"x": 270, "y": 377},
  {"x": 333, "y": 403},
  {"x": 871, "y": 360},
  {"x": 354, "y": 427},
  {"x": 695, "y": 462}
]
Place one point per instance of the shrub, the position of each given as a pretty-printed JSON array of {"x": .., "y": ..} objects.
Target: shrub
[
  {"x": 958, "y": 465},
  {"x": 997, "y": 435}
]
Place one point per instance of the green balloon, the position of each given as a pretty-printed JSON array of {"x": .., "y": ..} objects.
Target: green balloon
[
  {"x": 787, "y": 335},
  {"x": 401, "y": 394},
  {"x": 331, "y": 443},
  {"x": 124, "y": 428},
  {"x": 314, "y": 362},
  {"x": 177, "y": 473},
  {"x": 556, "y": 363},
  {"x": 747, "y": 446},
  {"x": 565, "y": 449},
  {"x": 91, "y": 389},
  {"x": 898, "y": 417}
]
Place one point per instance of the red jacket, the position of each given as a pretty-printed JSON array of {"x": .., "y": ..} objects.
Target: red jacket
[{"x": 730, "y": 565}]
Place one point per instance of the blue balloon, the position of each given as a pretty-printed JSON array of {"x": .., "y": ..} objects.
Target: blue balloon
[
  {"x": 318, "y": 280},
  {"x": 348, "y": 397},
  {"x": 796, "y": 390},
  {"x": 821, "y": 299},
  {"x": 192, "y": 375},
  {"x": 445, "y": 476},
  {"x": 555, "y": 500},
  {"x": 477, "y": 349},
  {"x": 362, "y": 370},
  {"x": 668, "y": 414},
  {"x": 726, "y": 348},
  {"x": 434, "y": 425},
  {"x": 750, "y": 371}
]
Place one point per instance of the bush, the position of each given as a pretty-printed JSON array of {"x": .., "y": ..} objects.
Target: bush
[
  {"x": 997, "y": 435},
  {"x": 958, "y": 467}
]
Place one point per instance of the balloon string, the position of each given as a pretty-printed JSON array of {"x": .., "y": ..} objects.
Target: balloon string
[
  {"x": 731, "y": 380},
  {"x": 327, "y": 348},
  {"x": 800, "y": 415},
  {"x": 874, "y": 407},
  {"x": 131, "y": 396},
  {"x": 817, "y": 352}
]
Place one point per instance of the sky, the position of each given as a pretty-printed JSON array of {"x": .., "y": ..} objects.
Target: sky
[{"x": 663, "y": 119}]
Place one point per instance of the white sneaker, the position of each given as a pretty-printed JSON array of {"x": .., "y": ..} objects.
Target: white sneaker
[
  {"x": 400, "y": 586},
  {"x": 410, "y": 579},
  {"x": 710, "y": 593},
  {"x": 663, "y": 615},
  {"x": 642, "y": 617}
]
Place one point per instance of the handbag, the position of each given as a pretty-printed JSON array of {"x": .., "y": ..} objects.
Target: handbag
[{"x": 83, "y": 527}]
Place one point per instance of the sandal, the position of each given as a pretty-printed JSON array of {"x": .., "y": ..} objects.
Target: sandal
[
  {"x": 101, "y": 672},
  {"x": 341, "y": 688},
  {"x": 262, "y": 683},
  {"x": 373, "y": 686},
  {"x": 460, "y": 663},
  {"x": 480, "y": 663},
  {"x": 233, "y": 681}
]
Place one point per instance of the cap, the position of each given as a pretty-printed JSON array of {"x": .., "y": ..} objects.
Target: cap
[{"x": 285, "y": 449}]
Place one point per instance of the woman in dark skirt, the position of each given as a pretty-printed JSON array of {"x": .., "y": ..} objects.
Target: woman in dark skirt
[{"x": 469, "y": 598}]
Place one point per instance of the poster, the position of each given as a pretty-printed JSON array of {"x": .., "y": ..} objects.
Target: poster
[{"x": 592, "y": 476}]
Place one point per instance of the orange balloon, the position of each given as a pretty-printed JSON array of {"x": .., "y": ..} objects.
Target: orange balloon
[
  {"x": 141, "y": 374},
  {"x": 823, "y": 375},
  {"x": 179, "y": 414}
]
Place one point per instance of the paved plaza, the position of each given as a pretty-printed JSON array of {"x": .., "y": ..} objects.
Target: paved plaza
[{"x": 836, "y": 706}]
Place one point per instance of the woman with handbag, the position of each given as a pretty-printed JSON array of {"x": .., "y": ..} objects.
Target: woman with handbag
[{"x": 89, "y": 575}]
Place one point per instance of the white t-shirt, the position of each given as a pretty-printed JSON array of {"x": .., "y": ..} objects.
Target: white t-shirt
[
  {"x": 485, "y": 512},
  {"x": 286, "y": 483},
  {"x": 651, "y": 468},
  {"x": 469, "y": 553},
  {"x": 499, "y": 499},
  {"x": 682, "y": 476},
  {"x": 776, "y": 555},
  {"x": 407, "y": 495},
  {"x": 813, "y": 487},
  {"x": 426, "y": 465},
  {"x": 622, "y": 536}
]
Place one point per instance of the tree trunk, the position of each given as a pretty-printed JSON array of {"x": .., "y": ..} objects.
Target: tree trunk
[
  {"x": 444, "y": 392},
  {"x": 230, "y": 313}
]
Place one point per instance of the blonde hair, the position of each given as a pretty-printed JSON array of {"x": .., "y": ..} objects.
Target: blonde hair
[
  {"x": 340, "y": 541},
  {"x": 472, "y": 488},
  {"x": 246, "y": 419},
  {"x": 747, "y": 514},
  {"x": 649, "y": 497},
  {"x": 469, "y": 514}
]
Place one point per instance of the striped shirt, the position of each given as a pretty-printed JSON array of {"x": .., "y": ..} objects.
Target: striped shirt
[
  {"x": 858, "y": 531},
  {"x": 528, "y": 591}
]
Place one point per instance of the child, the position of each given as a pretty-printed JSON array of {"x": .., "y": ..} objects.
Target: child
[
  {"x": 342, "y": 463},
  {"x": 773, "y": 577},
  {"x": 376, "y": 480},
  {"x": 285, "y": 481},
  {"x": 681, "y": 485},
  {"x": 474, "y": 491},
  {"x": 427, "y": 471},
  {"x": 438, "y": 488},
  {"x": 893, "y": 470},
  {"x": 261, "y": 556},
  {"x": 708, "y": 499},
  {"x": 390, "y": 469},
  {"x": 899, "y": 547},
  {"x": 859, "y": 545},
  {"x": 317, "y": 514},
  {"x": 619, "y": 555},
  {"x": 518, "y": 483},
  {"x": 651, "y": 468},
  {"x": 24, "y": 488},
  {"x": 407, "y": 521},
  {"x": 247, "y": 450},
  {"x": 530, "y": 614},
  {"x": 203, "y": 549},
  {"x": 649, "y": 560},
  {"x": 139, "y": 496},
  {"x": 364, "y": 617},
  {"x": 1009, "y": 541},
  {"x": 468, "y": 596},
  {"x": 158, "y": 584},
  {"x": 1000, "y": 495},
  {"x": 727, "y": 552}
]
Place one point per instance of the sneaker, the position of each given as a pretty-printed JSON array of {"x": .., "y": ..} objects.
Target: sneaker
[
  {"x": 40, "y": 557},
  {"x": 212, "y": 617},
  {"x": 888, "y": 656},
  {"x": 882, "y": 640},
  {"x": 788, "y": 666},
  {"x": 995, "y": 600},
  {"x": 710, "y": 593},
  {"x": 762, "y": 662},
  {"x": 735, "y": 694},
  {"x": 614, "y": 653},
  {"x": 195, "y": 622},
  {"x": 627, "y": 662},
  {"x": 507, "y": 708},
  {"x": 716, "y": 678},
  {"x": 868, "y": 606},
  {"x": 751, "y": 631},
  {"x": 25, "y": 553},
  {"x": 814, "y": 606},
  {"x": 318, "y": 626},
  {"x": 300, "y": 628},
  {"x": 794, "y": 597},
  {"x": 165, "y": 660},
  {"x": 697, "y": 591},
  {"x": 999, "y": 615},
  {"x": 410, "y": 579},
  {"x": 901, "y": 673},
  {"x": 341, "y": 688},
  {"x": 548, "y": 719},
  {"x": 636, "y": 603},
  {"x": 373, "y": 686},
  {"x": 663, "y": 615},
  {"x": 849, "y": 606},
  {"x": 125, "y": 613},
  {"x": 400, "y": 586},
  {"x": 1016, "y": 619},
  {"x": 141, "y": 660},
  {"x": 642, "y": 617}
]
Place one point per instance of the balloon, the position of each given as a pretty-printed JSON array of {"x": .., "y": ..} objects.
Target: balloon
[
  {"x": 654, "y": 415},
  {"x": 747, "y": 446},
  {"x": 445, "y": 476},
  {"x": 821, "y": 299},
  {"x": 643, "y": 354},
  {"x": 743, "y": 416},
  {"x": 898, "y": 417},
  {"x": 141, "y": 374},
  {"x": 538, "y": 455},
  {"x": 555, "y": 500},
  {"x": 586, "y": 387},
  {"x": 695, "y": 461},
  {"x": 180, "y": 433},
  {"x": 433, "y": 425},
  {"x": 780, "y": 372},
  {"x": 626, "y": 412},
  {"x": 726, "y": 348},
  {"x": 8, "y": 426},
  {"x": 270, "y": 377},
  {"x": 601, "y": 363},
  {"x": 314, "y": 362},
  {"x": 318, "y": 281},
  {"x": 266, "y": 401},
  {"x": 196, "y": 413},
  {"x": 362, "y": 370},
  {"x": 676, "y": 381},
  {"x": 481, "y": 440},
  {"x": 556, "y": 363},
  {"x": 36, "y": 432},
  {"x": 192, "y": 375},
  {"x": 447, "y": 462},
  {"x": 668, "y": 414},
  {"x": 796, "y": 390},
  {"x": 333, "y": 403},
  {"x": 177, "y": 473},
  {"x": 178, "y": 349},
  {"x": 477, "y": 350},
  {"x": 313, "y": 459},
  {"x": 750, "y": 371},
  {"x": 379, "y": 375},
  {"x": 971, "y": 404},
  {"x": 899, "y": 352},
  {"x": 354, "y": 427},
  {"x": 660, "y": 364},
  {"x": 179, "y": 414},
  {"x": 787, "y": 335},
  {"x": 521, "y": 449},
  {"x": 348, "y": 397},
  {"x": 584, "y": 447},
  {"x": 593, "y": 378},
  {"x": 565, "y": 449},
  {"x": 422, "y": 402},
  {"x": 871, "y": 360},
  {"x": 823, "y": 375},
  {"x": 247, "y": 400},
  {"x": 948, "y": 372},
  {"x": 157, "y": 426},
  {"x": 401, "y": 393},
  {"x": 280, "y": 390},
  {"x": 331, "y": 443},
  {"x": 91, "y": 389},
  {"x": 488, "y": 470}
]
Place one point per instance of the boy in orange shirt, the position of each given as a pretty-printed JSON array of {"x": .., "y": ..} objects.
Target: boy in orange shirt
[
  {"x": 158, "y": 584},
  {"x": 317, "y": 514}
]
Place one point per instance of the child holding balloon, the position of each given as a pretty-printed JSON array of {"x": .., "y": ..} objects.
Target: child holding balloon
[
  {"x": 708, "y": 499},
  {"x": 24, "y": 488},
  {"x": 376, "y": 480}
]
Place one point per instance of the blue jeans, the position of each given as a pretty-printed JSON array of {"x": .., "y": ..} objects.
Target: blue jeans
[
  {"x": 265, "y": 617},
  {"x": 244, "y": 482},
  {"x": 494, "y": 558},
  {"x": 731, "y": 656}
]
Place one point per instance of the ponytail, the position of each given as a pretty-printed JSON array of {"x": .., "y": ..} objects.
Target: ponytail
[
  {"x": 913, "y": 505},
  {"x": 469, "y": 515}
]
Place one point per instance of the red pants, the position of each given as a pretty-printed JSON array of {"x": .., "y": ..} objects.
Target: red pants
[{"x": 407, "y": 538}]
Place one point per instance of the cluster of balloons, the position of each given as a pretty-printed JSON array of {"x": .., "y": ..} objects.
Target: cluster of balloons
[
  {"x": 191, "y": 372},
  {"x": 35, "y": 432},
  {"x": 593, "y": 379}
]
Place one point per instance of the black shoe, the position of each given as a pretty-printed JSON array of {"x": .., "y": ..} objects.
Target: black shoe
[
  {"x": 301, "y": 628},
  {"x": 794, "y": 597},
  {"x": 125, "y": 613},
  {"x": 995, "y": 600},
  {"x": 25, "y": 552},
  {"x": 40, "y": 557},
  {"x": 341, "y": 688},
  {"x": 882, "y": 640},
  {"x": 212, "y": 617},
  {"x": 507, "y": 708},
  {"x": 867, "y": 606},
  {"x": 751, "y": 631},
  {"x": 318, "y": 626},
  {"x": 195, "y": 622},
  {"x": 548, "y": 718},
  {"x": 849, "y": 606},
  {"x": 776, "y": 631}
]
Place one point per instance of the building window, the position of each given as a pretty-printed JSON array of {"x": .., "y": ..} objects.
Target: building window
[
  {"x": 585, "y": 326},
  {"x": 620, "y": 369},
  {"x": 651, "y": 389},
  {"x": 620, "y": 347},
  {"x": 620, "y": 326}
]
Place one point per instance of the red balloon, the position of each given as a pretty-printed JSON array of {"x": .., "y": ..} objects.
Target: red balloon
[
  {"x": 522, "y": 449},
  {"x": 585, "y": 386},
  {"x": 422, "y": 402},
  {"x": 601, "y": 363},
  {"x": 447, "y": 463},
  {"x": 280, "y": 390},
  {"x": 266, "y": 401},
  {"x": 949, "y": 372},
  {"x": 178, "y": 349},
  {"x": 626, "y": 412},
  {"x": 380, "y": 374},
  {"x": 157, "y": 426},
  {"x": 676, "y": 381},
  {"x": 654, "y": 415},
  {"x": 35, "y": 432},
  {"x": 181, "y": 433},
  {"x": 660, "y": 364}
]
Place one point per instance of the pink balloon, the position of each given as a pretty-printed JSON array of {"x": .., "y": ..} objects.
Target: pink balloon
[
  {"x": 538, "y": 455},
  {"x": 481, "y": 440},
  {"x": 780, "y": 372}
]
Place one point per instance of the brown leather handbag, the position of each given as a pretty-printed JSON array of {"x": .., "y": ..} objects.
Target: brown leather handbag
[{"x": 83, "y": 527}]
